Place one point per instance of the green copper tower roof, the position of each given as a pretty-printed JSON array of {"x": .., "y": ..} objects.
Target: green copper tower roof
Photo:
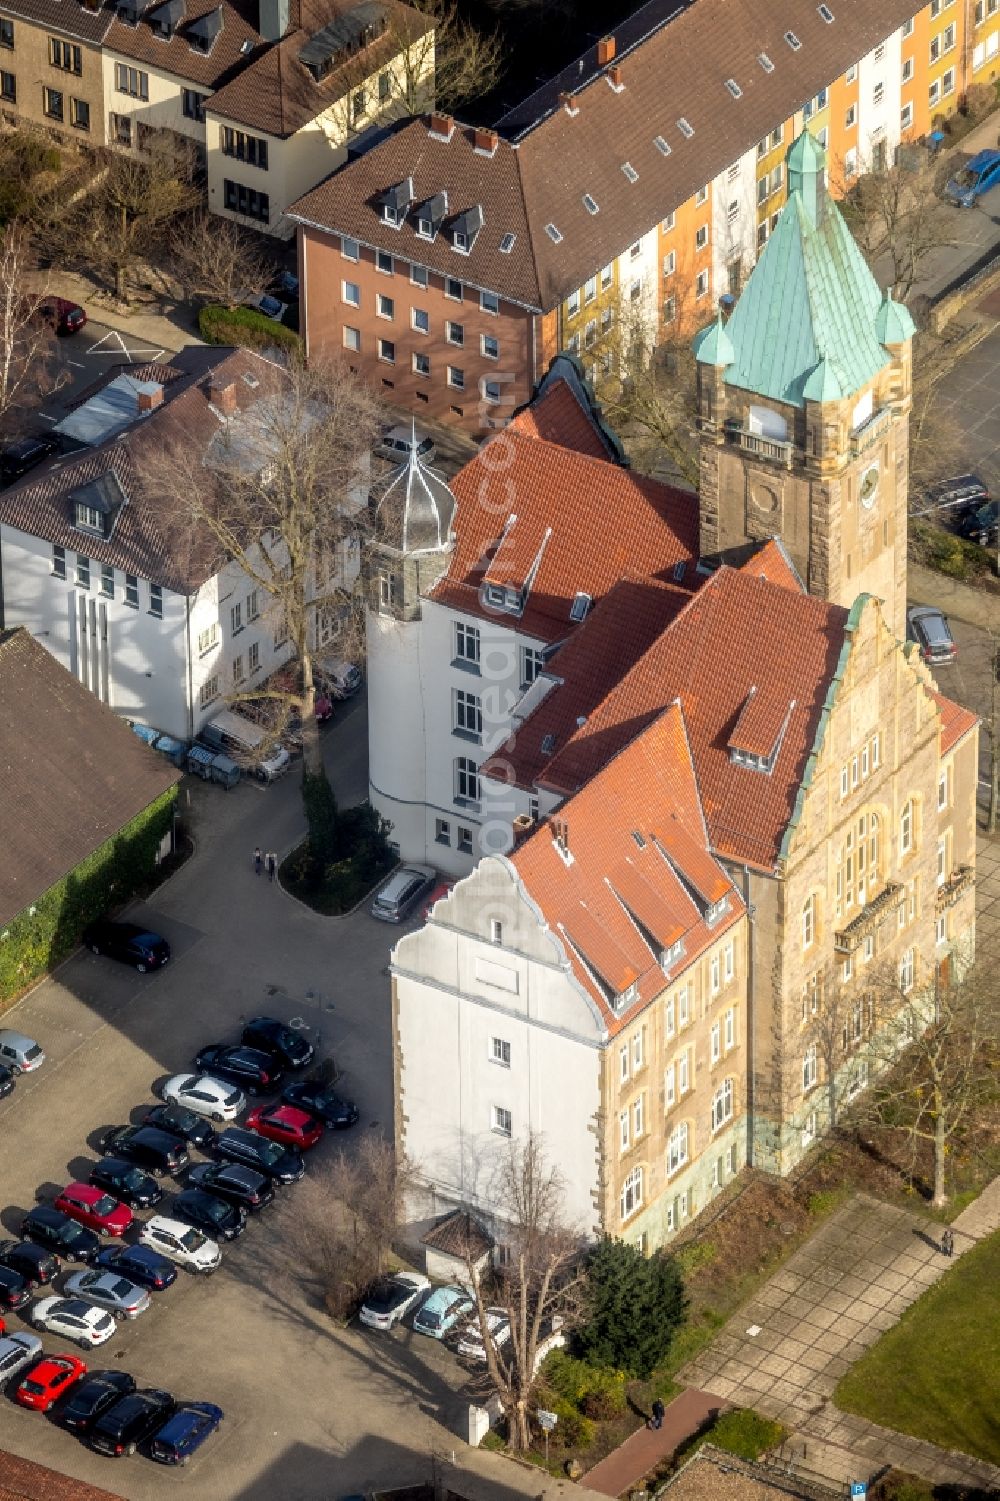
[
  {"x": 713, "y": 345},
  {"x": 811, "y": 323}
]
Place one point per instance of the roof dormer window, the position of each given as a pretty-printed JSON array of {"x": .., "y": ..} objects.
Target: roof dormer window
[
  {"x": 425, "y": 228},
  {"x": 627, "y": 996},
  {"x": 465, "y": 228},
  {"x": 201, "y": 34},
  {"x": 581, "y": 604},
  {"x": 716, "y": 910},
  {"x": 97, "y": 505},
  {"x": 669, "y": 956},
  {"x": 89, "y": 518},
  {"x": 395, "y": 203}
]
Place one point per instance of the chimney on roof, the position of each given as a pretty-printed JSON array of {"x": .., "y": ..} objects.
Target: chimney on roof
[
  {"x": 441, "y": 126},
  {"x": 222, "y": 395},
  {"x": 150, "y": 398},
  {"x": 272, "y": 19},
  {"x": 569, "y": 104},
  {"x": 614, "y": 77},
  {"x": 484, "y": 142},
  {"x": 522, "y": 826},
  {"x": 605, "y": 51}
]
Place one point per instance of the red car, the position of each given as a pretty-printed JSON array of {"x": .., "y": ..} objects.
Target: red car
[
  {"x": 94, "y": 1208},
  {"x": 46, "y": 1381},
  {"x": 293, "y": 1128},
  {"x": 63, "y": 316}
]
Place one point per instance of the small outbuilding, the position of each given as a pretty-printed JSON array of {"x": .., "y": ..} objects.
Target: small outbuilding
[{"x": 452, "y": 1244}]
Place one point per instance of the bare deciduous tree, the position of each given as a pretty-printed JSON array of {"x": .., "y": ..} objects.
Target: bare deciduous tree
[
  {"x": 898, "y": 217},
  {"x": 348, "y": 1226},
  {"x": 838, "y": 1022},
  {"x": 217, "y": 259},
  {"x": 27, "y": 343},
  {"x": 542, "y": 1278}
]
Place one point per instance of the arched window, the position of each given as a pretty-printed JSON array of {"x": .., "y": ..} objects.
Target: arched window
[
  {"x": 809, "y": 922},
  {"x": 859, "y": 865}
]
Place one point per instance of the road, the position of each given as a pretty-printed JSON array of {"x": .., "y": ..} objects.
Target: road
[{"x": 84, "y": 357}]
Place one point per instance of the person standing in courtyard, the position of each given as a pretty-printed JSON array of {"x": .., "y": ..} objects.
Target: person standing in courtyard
[
  {"x": 258, "y": 860},
  {"x": 948, "y": 1242},
  {"x": 656, "y": 1421},
  {"x": 272, "y": 865}
]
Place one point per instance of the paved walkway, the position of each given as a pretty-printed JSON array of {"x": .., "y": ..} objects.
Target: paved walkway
[{"x": 645, "y": 1449}]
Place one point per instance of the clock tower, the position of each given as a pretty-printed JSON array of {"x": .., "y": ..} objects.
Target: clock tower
[{"x": 803, "y": 406}]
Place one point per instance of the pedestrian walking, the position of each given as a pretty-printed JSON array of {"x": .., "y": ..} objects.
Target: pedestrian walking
[
  {"x": 272, "y": 865},
  {"x": 656, "y": 1421},
  {"x": 948, "y": 1242},
  {"x": 258, "y": 860}
]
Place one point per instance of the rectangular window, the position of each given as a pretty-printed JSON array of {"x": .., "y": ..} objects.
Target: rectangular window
[
  {"x": 207, "y": 639},
  {"x": 466, "y": 780},
  {"x": 489, "y": 346},
  {"x": 350, "y": 250},
  {"x": 637, "y": 1051},
  {"x": 500, "y": 1051},
  {"x": 906, "y": 117},
  {"x": 683, "y": 1074},
  {"x": 442, "y": 831},
  {"x": 631, "y": 1194},
  {"x": 729, "y": 961},
  {"x": 240, "y": 199},
  {"x": 238, "y": 673},
  {"x": 502, "y": 1122},
  {"x": 253, "y": 656},
  {"x": 453, "y": 289},
  {"x": 467, "y": 640},
  {"x": 716, "y": 1049},
  {"x": 623, "y": 1131},
  {"x": 58, "y": 561},
  {"x": 716, "y": 974},
  {"x": 468, "y": 718},
  {"x": 83, "y": 571},
  {"x": 53, "y": 101},
  {"x": 385, "y": 307},
  {"x": 244, "y": 148},
  {"x": 359, "y": 106},
  {"x": 948, "y": 83},
  {"x": 193, "y": 105},
  {"x": 942, "y": 860},
  {"x": 669, "y": 1011},
  {"x": 489, "y": 302},
  {"x": 722, "y": 1104},
  {"x": 132, "y": 590},
  {"x": 532, "y": 662},
  {"x": 637, "y": 1121},
  {"x": 701, "y": 237},
  {"x": 623, "y": 1062},
  {"x": 421, "y": 364},
  {"x": 107, "y": 581},
  {"x": 942, "y": 793},
  {"x": 420, "y": 320},
  {"x": 418, "y": 276},
  {"x": 236, "y": 619},
  {"x": 669, "y": 1087},
  {"x": 384, "y": 262},
  {"x": 677, "y": 1147},
  {"x": 131, "y": 81},
  {"x": 456, "y": 378},
  {"x": 8, "y": 87},
  {"x": 6, "y": 33},
  {"x": 66, "y": 56},
  {"x": 730, "y": 1028},
  {"x": 209, "y": 690},
  {"x": 809, "y": 1074},
  {"x": 683, "y": 1006},
  {"x": 906, "y": 972},
  {"x": 701, "y": 284},
  {"x": 941, "y": 929},
  {"x": 79, "y": 114},
  {"x": 350, "y": 293},
  {"x": 351, "y": 338},
  {"x": 384, "y": 87},
  {"x": 387, "y": 351}
]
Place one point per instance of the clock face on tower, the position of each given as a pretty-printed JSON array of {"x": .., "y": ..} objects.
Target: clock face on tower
[{"x": 868, "y": 489}]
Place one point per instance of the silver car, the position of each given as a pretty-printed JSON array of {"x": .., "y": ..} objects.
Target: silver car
[
  {"x": 108, "y": 1290},
  {"x": 20, "y": 1053},
  {"x": 17, "y": 1351},
  {"x": 402, "y": 892}
]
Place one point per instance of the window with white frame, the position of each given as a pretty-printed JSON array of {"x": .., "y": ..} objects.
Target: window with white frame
[
  {"x": 683, "y": 1073},
  {"x": 729, "y": 1028},
  {"x": 906, "y": 828},
  {"x": 637, "y": 1118},
  {"x": 677, "y": 1147},
  {"x": 809, "y": 1068},
  {"x": 496, "y": 930},
  {"x": 722, "y": 1104},
  {"x": 532, "y": 662},
  {"x": 623, "y": 1131},
  {"x": 500, "y": 1051},
  {"x": 716, "y": 974},
  {"x": 859, "y": 862},
  {"x": 683, "y": 1006},
  {"x": 467, "y": 643},
  {"x": 638, "y": 1058},
  {"x": 716, "y": 1041},
  {"x": 466, "y": 780},
  {"x": 468, "y": 713},
  {"x": 502, "y": 1120},
  {"x": 669, "y": 1015},
  {"x": 669, "y": 1086},
  {"x": 623, "y": 1056},
  {"x": 942, "y": 794},
  {"x": 729, "y": 961},
  {"x": 208, "y": 639},
  {"x": 350, "y": 293},
  {"x": 631, "y": 1194},
  {"x": 809, "y": 922},
  {"x": 941, "y": 928},
  {"x": 906, "y": 971},
  {"x": 809, "y": 1129},
  {"x": 209, "y": 690},
  {"x": 942, "y": 860},
  {"x": 702, "y": 283}
]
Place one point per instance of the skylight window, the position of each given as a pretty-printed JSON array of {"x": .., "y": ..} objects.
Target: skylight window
[
  {"x": 734, "y": 88},
  {"x": 638, "y": 839},
  {"x": 792, "y": 41},
  {"x": 555, "y": 235},
  {"x": 590, "y": 204},
  {"x": 661, "y": 145},
  {"x": 685, "y": 127},
  {"x": 580, "y": 606},
  {"x": 548, "y": 744},
  {"x": 826, "y": 13},
  {"x": 630, "y": 172},
  {"x": 765, "y": 62},
  {"x": 507, "y": 244}
]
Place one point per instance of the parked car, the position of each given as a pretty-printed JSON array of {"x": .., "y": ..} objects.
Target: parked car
[
  {"x": 14, "y": 1289},
  {"x": 108, "y": 1290},
  {"x": 94, "y": 1208},
  {"x": 402, "y": 892},
  {"x": 470, "y": 1344},
  {"x": 139, "y": 1264},
  {"x": 442, "y": 1311},
  {"x": 286, "y": 1124},
  {"x": 126, "y": 1181},
  {"x": 982, "y": 525},
  {"x": 93, "y": 1396},
  {"x": 49, "y": 1380},
  {"x": 73, "y": 1319},
  {"x": 342, "y": 680},
  {"x": 280, "y": 1164},
  {"x": 55, "y": 1231},
  {"x": 233, "y": 1182},
  {"x": 177, "y": 1120},
  {"x": 320, "y": 1100},
  {"x": 285, "y": 284},
  {"x": 399, "y": 442},
  {"x": 20, "y": 1054},
  {"x": 390, "y": 1298},
  {"x": 156, "y": 1151},
  {"x": 963, "y": 492},
  {"x": 129, "y": 942},
  {"x": 185, "y": 1431},
  {"x": 131, "y": 1421},
  {"x": 36, "y": 1264},
  {"x": 62, "y": 315},
  {"x": 930, "y": 630},
  {"x": 980, "y": 173},
  {"x": 292, "y": 1049},
  {"x": 17, "y": 1351},
  {"x": 254, "y": 1071},
  {"x": 182, "y": 1243},
  {"x": 270, "y": 307},
  {"x": 17, "y": 458},
  {"x": 205, "y": 1096},
  {"x": 8, "y": 1080},
  {"x": 216, "y": 1217}
]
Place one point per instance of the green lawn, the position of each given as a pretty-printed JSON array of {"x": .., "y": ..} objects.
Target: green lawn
[{"x": 937, "y": 1373}]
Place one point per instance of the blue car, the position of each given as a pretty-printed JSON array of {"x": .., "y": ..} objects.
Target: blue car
[
  {"x": 184, "y": 1432},
  {"x": 442, "y": 1311},
  {"x": 139, "y": 1264},
  {"x": 980, "y": 173}
]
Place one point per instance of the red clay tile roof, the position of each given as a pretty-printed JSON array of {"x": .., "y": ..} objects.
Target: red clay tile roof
[
  {"x": 772, "y": 562},
  {"x": 73, "y": 773},
  {"x": 459, "y": 1234},
  {"x": 637, "y": 851},
  {"x": 585, "y": 522},
  {"x": 558, "y": 417},
  {"x": 175, "y": 55},
  {"x": 955, "y": 721},
  {"x": 725, "y": 641},
  {"x": 24, "y": 1480},
  {"x": 761, "y": 721}
]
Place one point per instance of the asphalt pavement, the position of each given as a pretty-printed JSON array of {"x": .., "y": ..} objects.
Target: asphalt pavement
[{"x": 85, "y": 357}]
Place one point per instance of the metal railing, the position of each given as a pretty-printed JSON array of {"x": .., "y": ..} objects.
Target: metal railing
[
  {"x": 869, "y": 432},
  {"x": 765, "y": 448}
]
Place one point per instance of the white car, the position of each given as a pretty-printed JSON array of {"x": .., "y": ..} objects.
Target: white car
[
  {"x": 391, "y": 1297},
  {"x": 471, "y": 1342},
  {"x": 205, "y": 1096},
  {"x": 73, "y": 1319},
  {"x": 181, "y": 1242},
  {"x": 16, "y": 1350}
]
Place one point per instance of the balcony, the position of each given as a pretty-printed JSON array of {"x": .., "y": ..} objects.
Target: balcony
[
  {"x": 765, "y": 448},
  {"x": 961, "y": 879},
  {"x": 871, "y": 917},
  {"x": 869, "y": 432}
]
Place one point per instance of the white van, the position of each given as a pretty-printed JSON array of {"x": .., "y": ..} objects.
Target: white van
[{"x": 233, "y": 732}]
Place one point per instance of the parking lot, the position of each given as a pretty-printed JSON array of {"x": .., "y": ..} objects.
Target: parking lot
[{"x": 298, "y": 1392}]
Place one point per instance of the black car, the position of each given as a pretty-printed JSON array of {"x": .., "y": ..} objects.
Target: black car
[
  {"x": 8, "y": 1079},
  {"x": 128, "y": 942},
  {"x": 964, "y": 492},
  {"x": 157, "y": 1151},
  {"x": 981, "y": 525},
  {"x": 254, "y": 1071},
  {"x": 55, "y": 1231},
  {"x": 181, "y": 1122},
  {"x": 218, "y": 1219},
  {"x": 14, "y": 1289},
  {"x": 141, "y": 1265},
  {"x": 92, "y": 1397},
  {"x": 320, "y": 1101},
  {"x": 130, "y": 1421},
  {"x": 126, "y": 1182},
  {"x": 234, "y": 1182},
  {"x": 34, "y": 1263},
  {"x": 291, "y": 1048},
  {"x": 281, "y": 1164},
  {"x": 17, "y": 458}
]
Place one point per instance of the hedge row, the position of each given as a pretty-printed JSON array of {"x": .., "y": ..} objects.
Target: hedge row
[
  {"x": 35, "y": 941},
  {"x": 245, "y": 328}
]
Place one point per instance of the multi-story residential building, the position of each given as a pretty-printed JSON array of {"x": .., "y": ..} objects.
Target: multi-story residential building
[
  {"x": 601, "y": 194},
  {"x": 92, "y": 564},
  {"x": 267, "y": 96}
]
